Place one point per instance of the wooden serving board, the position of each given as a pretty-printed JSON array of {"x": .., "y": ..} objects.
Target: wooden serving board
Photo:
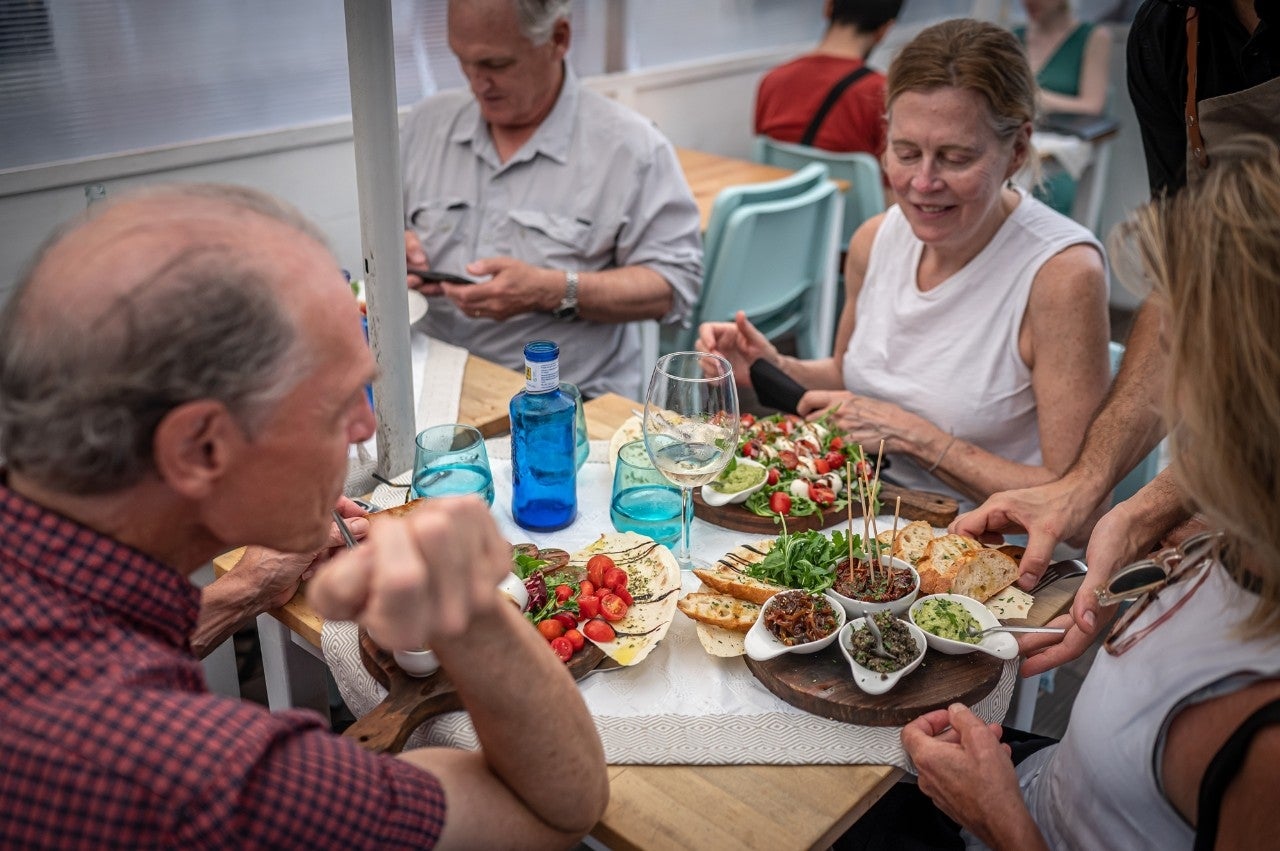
[
  {"x": 821, "y": 683},
  {"x": 933, "y": 508},
  {"x": 412, "y": 700}
]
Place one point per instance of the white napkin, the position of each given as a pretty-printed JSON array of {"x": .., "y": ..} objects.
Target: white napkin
[{"x": 436, "y": 391}]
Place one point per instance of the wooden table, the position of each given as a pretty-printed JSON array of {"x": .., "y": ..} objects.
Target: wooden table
[
  {"x": 678, "y": 806},
  {"x": 708, "y": 174}
]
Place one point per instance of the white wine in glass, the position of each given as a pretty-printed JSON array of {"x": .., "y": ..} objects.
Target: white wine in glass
[{"x": 691, "y": 427}]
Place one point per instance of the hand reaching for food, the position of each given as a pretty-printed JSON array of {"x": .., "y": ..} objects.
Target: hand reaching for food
[{"x": 738, "y": 342}]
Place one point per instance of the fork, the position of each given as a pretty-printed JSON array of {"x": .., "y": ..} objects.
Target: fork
[{"x": 1059, "y": 570}]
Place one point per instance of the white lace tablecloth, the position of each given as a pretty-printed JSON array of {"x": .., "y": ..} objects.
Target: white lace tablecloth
[
  {"x": 436, "y": 394},
  {"x": 678, "y": 707}
]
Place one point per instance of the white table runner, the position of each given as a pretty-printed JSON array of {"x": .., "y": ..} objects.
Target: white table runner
[{"x": 679, "y": 706}]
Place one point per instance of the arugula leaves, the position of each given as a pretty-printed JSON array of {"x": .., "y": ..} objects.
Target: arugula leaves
[
  {"x": 526, "y": 566},
  {"x": 808, "y": 559}
]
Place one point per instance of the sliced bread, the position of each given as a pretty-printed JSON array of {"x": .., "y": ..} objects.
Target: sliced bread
[
  {"x": 937, "y": 568},
  {"x": 720, "y": 610},
  {"x": 983, "y": 573},
  {"x": 912, "y": 541},
  {"x": 735, "y": 584}
]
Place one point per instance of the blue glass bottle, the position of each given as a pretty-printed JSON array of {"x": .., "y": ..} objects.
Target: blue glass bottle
[{"x": 543, "y": 473}]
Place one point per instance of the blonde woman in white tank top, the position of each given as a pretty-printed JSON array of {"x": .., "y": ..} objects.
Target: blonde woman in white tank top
[{"x": 979, "y": 349}]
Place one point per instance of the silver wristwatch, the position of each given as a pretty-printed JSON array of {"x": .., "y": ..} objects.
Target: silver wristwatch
[{"x": 568, "y": 308}]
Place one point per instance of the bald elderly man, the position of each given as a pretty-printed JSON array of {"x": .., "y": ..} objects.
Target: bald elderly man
[{"x": 181, "y": 372}]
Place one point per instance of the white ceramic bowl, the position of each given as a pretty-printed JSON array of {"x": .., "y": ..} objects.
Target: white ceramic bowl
[
  {"x": 417, "y": 663},
  {"x": 855, "y": 608},
  {"x": 513, "y": 587},
  {"x": 999, "y": 644},
  {"x": 871, "y": 681},
  {"x": 713, "y": 497},
  {"x": 761, "y": 644}
]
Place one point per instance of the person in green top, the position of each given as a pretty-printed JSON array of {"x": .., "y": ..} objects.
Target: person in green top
[{"x": 1069, "y": 59}]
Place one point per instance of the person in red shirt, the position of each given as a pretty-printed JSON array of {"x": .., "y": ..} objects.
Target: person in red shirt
[
  {"x": 829, "y": 99},
  {"x": 182, "y": 371}
]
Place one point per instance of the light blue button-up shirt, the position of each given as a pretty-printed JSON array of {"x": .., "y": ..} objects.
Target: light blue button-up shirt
[{"x": 596, "y": 187}]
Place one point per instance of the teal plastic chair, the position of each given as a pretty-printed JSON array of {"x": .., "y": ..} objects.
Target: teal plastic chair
[
  {"x": 731, "y": 198},
  {"x": 773, "y": 260},
  {"x": 865, "y": 197},
  {"x": 1148, "y": 467}
]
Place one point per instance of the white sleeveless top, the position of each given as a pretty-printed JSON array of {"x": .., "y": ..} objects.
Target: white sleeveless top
[
  {"x": 951, "y": 354},
  {"x": 1099, "y": 787}
]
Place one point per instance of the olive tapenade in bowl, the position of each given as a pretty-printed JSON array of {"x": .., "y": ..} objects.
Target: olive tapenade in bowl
[
  {"x": 948, "y": 618},
  {"x": 903, "y": 641},
  {"x": 794, "y": 621}
]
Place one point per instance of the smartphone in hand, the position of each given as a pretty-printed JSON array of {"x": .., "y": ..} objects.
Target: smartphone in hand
[{"x": 431, "y": 276}]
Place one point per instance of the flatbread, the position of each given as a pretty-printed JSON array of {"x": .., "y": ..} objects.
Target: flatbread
[
  {"x": 631, "y": 429},
  {"x": 1010, "y": 603},
  {"x": 653, "y": 578},
  {"x": 721, "y": 642}
]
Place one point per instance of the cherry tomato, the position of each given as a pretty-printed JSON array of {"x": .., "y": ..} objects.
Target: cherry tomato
[
  {"x": 586, "y": 589},
  {"x": 862, "y": 470},
  {"x": 779, "y": 503},
  {"x": 566, "y": 619},
  {"x": 575, "y": 639},
  {"x": 613, "y": 607},
  {"x": 810, "y": 446},
  {"x": 626, "y": 596},
  {"x": 789, "y": 459},
  {"x": 835, "y": 460},
  {"x": 771, "y": 477},
  {"x": 599, "y": 631},
  {"x": 588, "y": 606},
  {"x": 748, "y": 420},
  {"x": 563, "y": 592},
  {"x": 615, "y": 578},
  {"x": 563, "y": 648},
  {"x": 551, "y": 629},
  {"x": 596, "y": 567},
  {"x": 751, "y": 448},
  {"x": 786, "y": 426},
  {"x": 837, "y": 443},
  {"x": 822, "y": 495},
  {"x": 820, "y": 466}
]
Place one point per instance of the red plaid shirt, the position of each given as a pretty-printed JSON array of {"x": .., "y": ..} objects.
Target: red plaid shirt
[{"x": 108, "y": 738}]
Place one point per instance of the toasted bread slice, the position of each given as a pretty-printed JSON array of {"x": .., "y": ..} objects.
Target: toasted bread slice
[
  {"x": 399, "y": 510},
  {"x": 720, "y": 610},
  {"x": 912, "y": 540},
  {"x": 739, "y": 585},
  {"x": 937, "y": 568},
  {"x": 982, "y": 573}
]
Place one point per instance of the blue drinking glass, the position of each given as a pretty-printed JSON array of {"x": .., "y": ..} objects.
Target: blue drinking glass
[
  {"x": 644, "y": 501},
  {"x": 451, "y": 461},
  {"x": 581, "y": 445}
]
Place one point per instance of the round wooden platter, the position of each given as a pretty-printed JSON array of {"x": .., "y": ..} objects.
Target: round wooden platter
[
  {"x": 412, "y": 700},
  {"x": 822, "y": 683},
  {"x": 933, "y": 508}
]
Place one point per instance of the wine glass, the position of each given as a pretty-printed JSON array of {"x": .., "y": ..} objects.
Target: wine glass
[{"x": 691, "y": 427}]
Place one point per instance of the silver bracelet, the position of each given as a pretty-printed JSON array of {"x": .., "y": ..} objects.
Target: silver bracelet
[{"x": 942, "y": 454}]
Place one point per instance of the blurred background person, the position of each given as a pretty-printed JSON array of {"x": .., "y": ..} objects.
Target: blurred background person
[
  {"x": 830, "y": 98},
  {"x": 1070, "y": 59},
  {"x": 974, "y": 335}
]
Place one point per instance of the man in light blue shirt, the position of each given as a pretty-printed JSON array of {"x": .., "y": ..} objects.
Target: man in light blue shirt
[{"x": 572, "y": 207}]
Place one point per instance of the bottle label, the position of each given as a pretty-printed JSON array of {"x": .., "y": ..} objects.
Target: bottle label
[{"x": 541, "y": 377}]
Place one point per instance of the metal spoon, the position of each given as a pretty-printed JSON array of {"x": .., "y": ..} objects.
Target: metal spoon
[
  {"x": 347, "y": 537},
  {"x": 878, "y": 650},
  {"x": 1049, "y": 630}
]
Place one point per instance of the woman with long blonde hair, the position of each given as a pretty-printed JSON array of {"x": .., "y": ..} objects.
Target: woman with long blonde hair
[{"x": 1174, "y": 739}]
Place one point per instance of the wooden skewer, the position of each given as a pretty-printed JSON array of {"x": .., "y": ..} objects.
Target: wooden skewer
[{"x": 848, "y": 504}]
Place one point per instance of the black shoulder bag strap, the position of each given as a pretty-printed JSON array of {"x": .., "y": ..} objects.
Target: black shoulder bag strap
[
  {"x": 838, "y": 89},
  {"x": 1222, "y": 770}
]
